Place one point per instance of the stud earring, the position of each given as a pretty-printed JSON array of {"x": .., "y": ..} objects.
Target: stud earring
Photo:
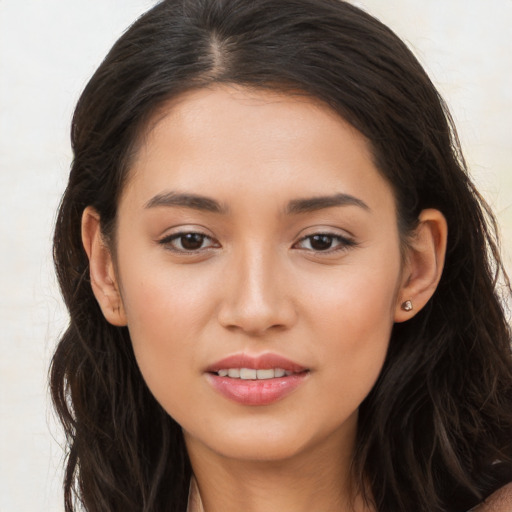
[{"x": 407, "y": 305}]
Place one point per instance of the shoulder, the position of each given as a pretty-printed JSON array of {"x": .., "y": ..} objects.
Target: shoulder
[{"x": 499, "y": 501}]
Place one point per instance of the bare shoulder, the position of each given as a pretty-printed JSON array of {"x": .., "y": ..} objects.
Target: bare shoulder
[{"x": 499, "y": 501}]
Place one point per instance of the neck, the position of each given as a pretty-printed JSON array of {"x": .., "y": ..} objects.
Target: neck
[{"x": 318, "y": 479}]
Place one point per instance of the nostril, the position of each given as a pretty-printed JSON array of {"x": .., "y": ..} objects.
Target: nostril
[{"x": 253, "y": 317}]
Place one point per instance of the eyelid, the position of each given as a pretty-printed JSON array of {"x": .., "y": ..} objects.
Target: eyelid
[
  {"x": 346, "y": 241},
  {"x": 168, "y": 238}
]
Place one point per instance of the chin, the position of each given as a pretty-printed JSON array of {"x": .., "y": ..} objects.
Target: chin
[
  {"x": 258, "y": 449},
  {"x": 263, "y": 441}
]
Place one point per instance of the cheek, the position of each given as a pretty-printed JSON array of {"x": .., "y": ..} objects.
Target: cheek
[
  {"x": 354, "y": 320},
  {"x": 169, "y": 302},
  {"x": 166, "y": 312},
  {"x": 354, "y": 300}
]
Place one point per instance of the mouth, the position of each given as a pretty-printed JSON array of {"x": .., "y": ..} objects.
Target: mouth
[
  {"x": 253, "y": 374},
  {"x": 259, "y": 380}
]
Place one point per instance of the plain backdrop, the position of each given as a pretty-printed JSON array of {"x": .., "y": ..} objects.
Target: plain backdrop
[{"x": 48, "y": 50}]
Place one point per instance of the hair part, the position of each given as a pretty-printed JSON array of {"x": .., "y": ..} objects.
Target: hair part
[{"x": 434, "y": 433}]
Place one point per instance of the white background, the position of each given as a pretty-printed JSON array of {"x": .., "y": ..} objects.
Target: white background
[{"x": 48, "y": 50}]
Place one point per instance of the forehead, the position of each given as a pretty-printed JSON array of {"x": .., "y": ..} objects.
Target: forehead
[{"x": 230, "y": 139}]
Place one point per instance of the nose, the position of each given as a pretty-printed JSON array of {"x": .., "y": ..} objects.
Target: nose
[{"x": 257, "y": 297}]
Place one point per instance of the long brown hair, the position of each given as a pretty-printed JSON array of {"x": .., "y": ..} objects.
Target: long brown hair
[{"x": 435, "y": 433}]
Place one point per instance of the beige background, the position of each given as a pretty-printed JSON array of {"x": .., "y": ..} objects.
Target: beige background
[{"x": 47, "y": 52}]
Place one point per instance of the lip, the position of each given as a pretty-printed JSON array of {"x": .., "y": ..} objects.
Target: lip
[
  {"x": 256, "y": 392},
  {"x": 261, "y": 362}
]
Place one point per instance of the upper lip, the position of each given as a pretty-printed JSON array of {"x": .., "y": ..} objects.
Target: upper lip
[{"x": 261, "y": 362}]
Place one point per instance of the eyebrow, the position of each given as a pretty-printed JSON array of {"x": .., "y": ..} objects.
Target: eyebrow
[
  {"x": 311, "y": 204},
  {"x": 294, "y": 207},
  {"x": 193, "y": 201}
]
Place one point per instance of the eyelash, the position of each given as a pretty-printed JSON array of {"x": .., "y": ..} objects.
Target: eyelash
[
  {"x": 168, "y": 242},
  {"x": 344, "y": 243}
]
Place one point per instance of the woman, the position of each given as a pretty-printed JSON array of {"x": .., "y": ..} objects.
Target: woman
[{"x": 281, "y": 281}]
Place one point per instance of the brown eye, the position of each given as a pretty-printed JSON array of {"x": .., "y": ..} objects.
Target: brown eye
[
  {"x": 325, "y": 242},
  {"x": 191, "y": 241},
  {"x": 321, "y": 242},
  {"x": 188, "y": 242}
]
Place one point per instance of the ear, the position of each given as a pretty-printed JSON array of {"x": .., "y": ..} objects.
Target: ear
[
  {"x": 423, "y": 264},
  {"x": 101, "y": 268}
]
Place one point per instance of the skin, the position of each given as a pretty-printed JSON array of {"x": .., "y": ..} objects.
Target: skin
[{"x": 258, "y": 284}]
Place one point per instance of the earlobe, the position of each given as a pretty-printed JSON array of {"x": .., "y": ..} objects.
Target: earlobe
[
  {"x": 101, "y": 269},
  {"x": 424, "y": 264}
]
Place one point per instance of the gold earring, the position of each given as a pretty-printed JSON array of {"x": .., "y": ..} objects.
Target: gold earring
[{"x": 407, "y": 305}]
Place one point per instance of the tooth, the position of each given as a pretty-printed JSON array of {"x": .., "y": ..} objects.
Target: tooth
[
  {"x": 247, "y": 373},
  {"x": 252, "y": 374},
  {"x": 265, "y": 374}
]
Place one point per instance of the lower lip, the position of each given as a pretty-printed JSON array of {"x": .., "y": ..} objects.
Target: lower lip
[{"x": 256, "y": 392}]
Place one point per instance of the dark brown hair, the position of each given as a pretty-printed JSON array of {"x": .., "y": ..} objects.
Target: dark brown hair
[{"x": 435, "y": 432}]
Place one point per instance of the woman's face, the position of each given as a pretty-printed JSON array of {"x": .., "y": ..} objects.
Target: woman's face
[{"x": 255, "y": 232}]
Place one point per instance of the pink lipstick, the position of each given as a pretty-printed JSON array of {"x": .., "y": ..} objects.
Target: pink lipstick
[{"x": 259, "y": 380}]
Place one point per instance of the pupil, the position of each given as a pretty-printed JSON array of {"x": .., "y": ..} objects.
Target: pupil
[
  {"x": 321, "y": 242},
  {"x": 192, "y": 241}
]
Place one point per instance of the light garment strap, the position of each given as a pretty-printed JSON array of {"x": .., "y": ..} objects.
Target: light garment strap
[{"x": 194, "y": 498}]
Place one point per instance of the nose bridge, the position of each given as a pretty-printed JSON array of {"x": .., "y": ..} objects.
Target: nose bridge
[
  {"x": 257, "y": 268},
  {"x": 256, "y": 298}
]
